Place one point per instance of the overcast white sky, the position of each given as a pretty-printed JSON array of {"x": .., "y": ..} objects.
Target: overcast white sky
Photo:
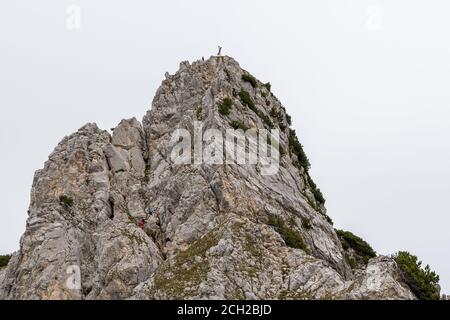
[{"x": 366, "y": 83}]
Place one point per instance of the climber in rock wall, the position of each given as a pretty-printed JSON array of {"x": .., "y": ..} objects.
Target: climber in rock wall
[
  {"x": 149, "y": 213},
  {"x": 142, "y": 223}
]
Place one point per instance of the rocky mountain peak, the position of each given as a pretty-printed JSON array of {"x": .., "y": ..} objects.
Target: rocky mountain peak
[{"x": 116, "y": 216}]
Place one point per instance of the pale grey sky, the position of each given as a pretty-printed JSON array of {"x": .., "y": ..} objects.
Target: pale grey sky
[{"x": 366, "y": 83}]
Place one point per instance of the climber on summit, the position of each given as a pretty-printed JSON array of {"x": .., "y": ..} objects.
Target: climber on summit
[{"x": 220, "y": 51}]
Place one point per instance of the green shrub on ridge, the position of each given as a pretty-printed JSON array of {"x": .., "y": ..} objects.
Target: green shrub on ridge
[
  {"x": 247, "y": 101},
  {"x": 361, "y": 247},
  {"x": 422, "y": 281},
  {"x": 250, "y": 79},
  {"x": 4, "y": 260}
]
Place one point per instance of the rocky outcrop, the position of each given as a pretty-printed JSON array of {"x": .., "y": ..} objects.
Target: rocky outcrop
[
  {"x": 78, "y": 219},
  {"x": 212, "y": 235},
  {"x": 2, "y": 275}
]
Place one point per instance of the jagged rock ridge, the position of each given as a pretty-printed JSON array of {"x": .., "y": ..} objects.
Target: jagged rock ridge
[{"x": 212, "y": 236}]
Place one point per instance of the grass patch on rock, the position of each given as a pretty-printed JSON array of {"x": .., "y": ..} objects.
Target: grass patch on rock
[
  {"x": 225, "y": 106},
  {"x": 66, "y": 200},
  {"x": 235, "y": 124},
  {"x": 190, "y": 268},
  {"x": 247, "y": 101},
  {"x": 289, "y": 235},
  {"x": 199, "y": 113}
]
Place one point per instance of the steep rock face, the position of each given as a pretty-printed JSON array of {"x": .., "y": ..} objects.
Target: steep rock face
[
  {"x": 73, "y": 221},
  {"x": 2, "y": 275},
  {"x": 212, "y": 234}
]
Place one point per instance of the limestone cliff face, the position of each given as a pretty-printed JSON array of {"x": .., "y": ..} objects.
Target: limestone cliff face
[{"x": 212, "y": 235}]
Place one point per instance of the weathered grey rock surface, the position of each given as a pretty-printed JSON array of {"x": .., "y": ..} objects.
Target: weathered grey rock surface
[{"x": 209, "y": 238}]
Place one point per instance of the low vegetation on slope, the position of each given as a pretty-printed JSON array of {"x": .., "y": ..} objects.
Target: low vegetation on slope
[
  {"x": 66, "y": 201},
  {"x": 361, "y": 247},
  {"x": 247, "y": 101},
  {"x": 301, "y": 160},
  {"x": 316, "y": 191},
  {"x": 236, "y": 124},
  {"x": 296, "y": 149},
  {"x": 225, "y": 106},
  {"x": 422, "y": 281},
  {"x": 189, "y": 270},
  {"x": 250, "y": 79},
  {"x": 4, "y": 260},
  {"x": 289, "y": 235}
]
